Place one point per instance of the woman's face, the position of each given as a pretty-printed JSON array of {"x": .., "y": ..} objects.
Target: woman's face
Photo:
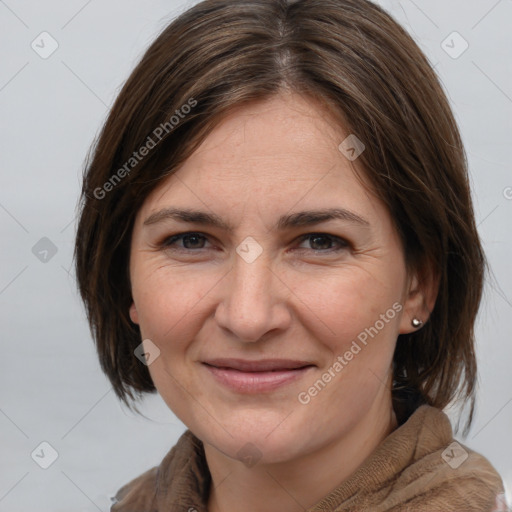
[{"x": 273, "y": 285}]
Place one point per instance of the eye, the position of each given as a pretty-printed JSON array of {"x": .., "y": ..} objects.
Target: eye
[
  {"x": 317, "y": 242},
  {"x": 323, "y": 242},
  {"x": 186, "y": 241}
]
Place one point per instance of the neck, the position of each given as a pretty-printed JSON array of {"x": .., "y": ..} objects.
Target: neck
[{"x": 298, "y": 484}]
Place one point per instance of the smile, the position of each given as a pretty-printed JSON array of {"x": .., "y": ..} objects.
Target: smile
[{"x": 245, "y": 376}]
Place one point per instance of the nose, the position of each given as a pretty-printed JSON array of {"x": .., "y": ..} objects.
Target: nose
[{"x": 254, "y": 301}]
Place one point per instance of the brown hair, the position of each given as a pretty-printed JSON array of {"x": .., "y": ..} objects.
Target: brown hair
[{"x": 351, "y": 56}]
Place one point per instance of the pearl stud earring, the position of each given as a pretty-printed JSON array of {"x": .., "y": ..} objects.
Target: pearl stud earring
[{"x": 416, "y": 323}]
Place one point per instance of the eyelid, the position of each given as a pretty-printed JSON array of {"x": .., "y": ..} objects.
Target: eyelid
[
  {"x": 343, "y": 244},
  {"x": 166, "y": 241}
]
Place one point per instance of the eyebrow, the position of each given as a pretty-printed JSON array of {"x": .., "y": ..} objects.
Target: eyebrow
[{"x": 294, "y": 220}]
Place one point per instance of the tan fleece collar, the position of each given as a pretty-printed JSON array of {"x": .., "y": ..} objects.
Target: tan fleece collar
[{"x": 416, "y": 468}]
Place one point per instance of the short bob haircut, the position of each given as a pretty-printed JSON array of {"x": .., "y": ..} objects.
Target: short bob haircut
[{"x": 351, "y": 56}]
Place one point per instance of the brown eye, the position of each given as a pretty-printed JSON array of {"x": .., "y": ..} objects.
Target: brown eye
[
  {"x": 320, "y": 242},
  {"x": 323, "y": 242},
  {"x": 189, "y": 241},
  {"x": 193, "y": 241}
]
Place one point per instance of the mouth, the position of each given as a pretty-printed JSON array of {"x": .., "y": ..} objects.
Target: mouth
[{"x": 245, "y": 376}]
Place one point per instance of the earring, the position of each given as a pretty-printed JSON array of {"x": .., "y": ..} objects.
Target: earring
[{"x": 416, "y": 323}]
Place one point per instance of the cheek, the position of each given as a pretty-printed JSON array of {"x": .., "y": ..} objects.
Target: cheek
[
  {"x": 169, "y": 302},
  {"x": 356, "y": 318},
  {"x": 348, "y": 304},
  {"x": 171, "y": 307}
]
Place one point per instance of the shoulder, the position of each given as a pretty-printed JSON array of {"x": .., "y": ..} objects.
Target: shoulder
[
  {"x": 138, "y": 494},
  {"x": 445, "y": 474},
  {"x": 456, "y": 478},
  {"x": 146, "y": 491},
  {"x": 419, "y": 467}
]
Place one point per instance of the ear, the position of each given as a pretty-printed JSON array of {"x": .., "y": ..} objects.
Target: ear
[
  {"x": 134, "y": 316},
  {"x": 420, "y": 298}
]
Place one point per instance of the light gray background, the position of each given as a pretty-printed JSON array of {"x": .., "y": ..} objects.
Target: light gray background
[{"x": 51, "y": 387}]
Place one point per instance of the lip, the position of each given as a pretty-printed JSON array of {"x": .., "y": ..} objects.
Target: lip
[{"x": 245, "y": 376}]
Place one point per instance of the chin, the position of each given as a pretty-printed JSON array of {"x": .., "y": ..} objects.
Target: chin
[
  {"x": 251, "y": 450},
  {"x": 255, "y": 437}
]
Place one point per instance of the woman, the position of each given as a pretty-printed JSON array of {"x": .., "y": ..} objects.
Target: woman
[{"x": 277, "y": 235}]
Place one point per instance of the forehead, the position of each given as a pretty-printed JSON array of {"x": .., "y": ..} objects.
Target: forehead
[
  {"x": 272, "y": 136},
  {"x": 286, "y": 140}
]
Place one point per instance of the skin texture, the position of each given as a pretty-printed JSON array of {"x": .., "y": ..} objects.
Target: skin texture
[{"x": 302, "y": 298}]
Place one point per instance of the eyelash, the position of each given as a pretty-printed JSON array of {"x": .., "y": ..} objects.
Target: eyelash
[{"x": 343, "y": 244}]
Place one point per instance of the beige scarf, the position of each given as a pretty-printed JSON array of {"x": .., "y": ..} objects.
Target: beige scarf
[{"x": 417, "y": 468}]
